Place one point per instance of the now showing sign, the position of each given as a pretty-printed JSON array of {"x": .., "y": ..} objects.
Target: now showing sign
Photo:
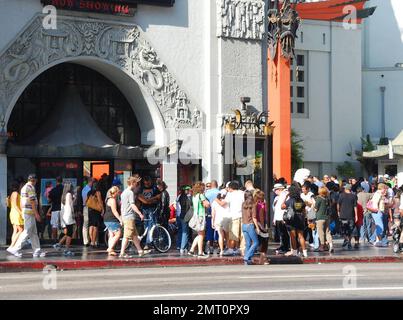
[{"x": 115, "y": 7}]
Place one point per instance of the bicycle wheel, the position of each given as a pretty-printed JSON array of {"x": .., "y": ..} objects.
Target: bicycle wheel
[{"x": 161, "y": 239}]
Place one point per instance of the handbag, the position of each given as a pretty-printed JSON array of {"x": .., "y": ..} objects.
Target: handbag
[
  {"x": 196, "y": 223},
  {"x": 188, "y": 215},
  {"x": 289, "y": 214},
  {"x": 93, "y": 203}
]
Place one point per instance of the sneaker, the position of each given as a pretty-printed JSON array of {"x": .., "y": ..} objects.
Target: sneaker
[
  {"x": 125, "y": 256},
  {"x": 39, "y": 253},
  {"x": 144, "y": 252},
  {"x": 57, "y": 246},
  {"x": 345, "y": 243},
  {"x": 356, "y": 245},
  {"x": 182, "y": 252},
  {"x": 305, "y": 253},
  {"x": 203, "y": 256},
  {"x": 191, "y": 253},
  {"x": 14, "y": 252},
  {"x": 350, "y": 247},
  {"x": 228, "y": 252},
  {"x": 247, "y": 263},
  {"x": 68, "y": 253}
]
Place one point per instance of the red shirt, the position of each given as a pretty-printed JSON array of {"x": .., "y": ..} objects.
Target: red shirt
[{"x": 360, "y": 214}]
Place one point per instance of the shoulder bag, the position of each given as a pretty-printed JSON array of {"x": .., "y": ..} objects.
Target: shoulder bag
[{"x": 93, "y": 203}]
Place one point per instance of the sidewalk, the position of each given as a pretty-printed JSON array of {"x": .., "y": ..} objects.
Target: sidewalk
[{"x": 87, "y": 258}]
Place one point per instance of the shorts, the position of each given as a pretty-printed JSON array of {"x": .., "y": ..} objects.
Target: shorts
[
  {"x": 69, "y": 230},
  {"x": 296, "y": 223},
  {"x": 235, "y": 230},
  {"x": 129, "y": 229},
  {"x": 112, "y": 226},
  {"x": 55, "y": 219},
  {"x": 347, "y": 227},
  {"x": 94, "y": 218},
  {"x": 224, "y": 224}
]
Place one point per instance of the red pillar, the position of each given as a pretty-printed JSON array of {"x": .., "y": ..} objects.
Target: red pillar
[{"x": 280, "y": 112}]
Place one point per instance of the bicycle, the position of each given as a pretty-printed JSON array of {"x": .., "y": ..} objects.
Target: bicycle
[{"x": 160, "y": 237}]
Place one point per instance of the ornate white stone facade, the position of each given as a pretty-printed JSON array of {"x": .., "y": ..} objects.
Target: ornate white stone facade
[
  {"x": 120, "y": 44},
  {"x": 241, "y": 19}
]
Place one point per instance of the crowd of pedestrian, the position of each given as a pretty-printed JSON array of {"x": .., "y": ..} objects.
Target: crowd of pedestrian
[
  {"x": 230, "y": 220},
  {"x": 312, "y": 211}
]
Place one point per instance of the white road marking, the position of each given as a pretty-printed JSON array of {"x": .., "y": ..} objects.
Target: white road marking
[
  {"x": 310, "y": 276},
  {"x": 215, "y": 293}
]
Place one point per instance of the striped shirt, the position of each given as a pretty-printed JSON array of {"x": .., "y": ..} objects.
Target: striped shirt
[{"x": 28, "y": 194}]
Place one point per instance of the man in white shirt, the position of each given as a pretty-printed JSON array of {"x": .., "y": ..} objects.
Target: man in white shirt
[
  {"x": 278, "y": 221},
  {"x": 234, "y": 200}
]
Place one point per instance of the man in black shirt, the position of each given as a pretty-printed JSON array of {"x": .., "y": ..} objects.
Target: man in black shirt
[
  {"x": 347, "y": 210},
  {"x": 55, "y": 199}
]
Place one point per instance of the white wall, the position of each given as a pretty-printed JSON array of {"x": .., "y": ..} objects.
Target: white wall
[
  {"x": 334, "y": 100},
  {"x": 384, "y": 34},
  {"x": 383, "y": 44}
]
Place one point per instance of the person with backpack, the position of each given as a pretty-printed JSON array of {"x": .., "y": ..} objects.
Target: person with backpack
[
  {"x": 322, "y": 208},
  {"x": 295, "y": 219},
  {"x": 183, "y": 205},
  {"x": 347, "y": 209}
]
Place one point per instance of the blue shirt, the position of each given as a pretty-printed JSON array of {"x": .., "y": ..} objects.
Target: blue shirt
[
  {"x": 84, "y": 194},
  {"x": 211, "y": 195}
]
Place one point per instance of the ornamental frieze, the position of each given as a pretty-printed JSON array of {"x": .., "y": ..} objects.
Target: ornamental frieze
[
  {"x": 122, "y": 45},
  {"x": 241, "y": 19}
]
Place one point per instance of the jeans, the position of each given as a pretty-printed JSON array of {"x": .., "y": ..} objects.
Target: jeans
[
  {"x": 381, "y": 222},
  {"x": 149, "y": 222},
  {"x": 315, "y": 237},
  {"x": 30, "y": 232},
  {"x": 209, "y": 230},
  {"x": 366, "y": 228},
  {"x": 250, "y": 235},
  {"x": 183, "y": 234}
]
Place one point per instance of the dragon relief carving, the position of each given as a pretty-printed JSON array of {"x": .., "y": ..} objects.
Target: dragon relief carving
[{"x": 121, "y": 45}]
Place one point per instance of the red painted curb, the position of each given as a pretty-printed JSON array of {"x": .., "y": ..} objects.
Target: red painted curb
[{"x": 15, "y": 266}]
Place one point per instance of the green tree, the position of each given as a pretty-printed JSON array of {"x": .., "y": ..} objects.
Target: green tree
[
  {"x": 368, "y": 164},
  {"x": 346, "y": 170},
  {"x": 297, "y": 152}
]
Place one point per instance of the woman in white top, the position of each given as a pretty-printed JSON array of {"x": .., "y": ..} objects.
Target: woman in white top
[
  {"x": 221, "y": 218},
  {"x": 67, "y": 219}
]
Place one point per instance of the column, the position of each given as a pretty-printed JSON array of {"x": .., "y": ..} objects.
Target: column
[
  {"x": 3, "y": 195},
  {"x": 170, "y": 176},
  {"x": 279, "y": 111}
]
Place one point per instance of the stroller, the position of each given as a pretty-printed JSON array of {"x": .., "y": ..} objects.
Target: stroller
[{"x": 396, "y": 233}]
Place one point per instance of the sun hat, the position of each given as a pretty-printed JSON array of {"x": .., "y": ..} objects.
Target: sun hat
[{"x": 278, "y": 186}]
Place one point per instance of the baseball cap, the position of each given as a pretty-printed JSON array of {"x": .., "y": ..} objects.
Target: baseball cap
[
  {"x": 386, "y": 176},
  {"x": 278, "y": 186},
  {"x": 32, "y": 176},
  {"x": 348, "y": 186},
  {"x": 186, "y": 187}
]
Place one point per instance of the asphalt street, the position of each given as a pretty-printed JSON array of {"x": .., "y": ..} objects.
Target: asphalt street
[{"x": 322, "y": 281}]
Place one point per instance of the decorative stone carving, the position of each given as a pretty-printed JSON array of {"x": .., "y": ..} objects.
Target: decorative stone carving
[
  {"x": 242, "y": 19},
  {"x": 121, "y": 45},
  {"x": 282, "y": 28}
]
